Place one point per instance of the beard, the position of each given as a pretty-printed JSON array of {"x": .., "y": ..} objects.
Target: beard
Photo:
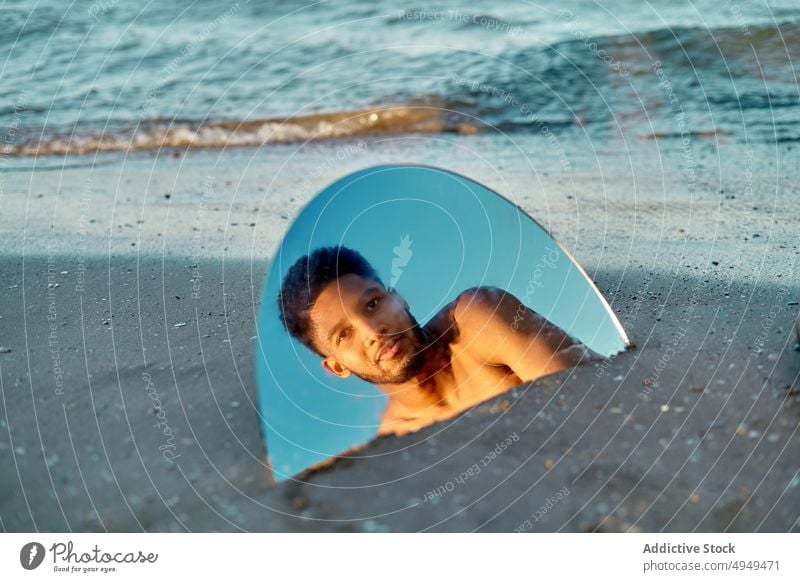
[{"x": 403, "y": 370}]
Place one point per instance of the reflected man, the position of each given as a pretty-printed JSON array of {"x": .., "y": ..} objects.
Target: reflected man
[{"x": 478, "y": 346}]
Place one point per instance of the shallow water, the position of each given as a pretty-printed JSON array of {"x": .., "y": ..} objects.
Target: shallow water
[{"x": 113, "y": 75}]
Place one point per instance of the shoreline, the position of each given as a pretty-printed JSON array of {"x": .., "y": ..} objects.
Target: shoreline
[{"x": 238, "y": 204}]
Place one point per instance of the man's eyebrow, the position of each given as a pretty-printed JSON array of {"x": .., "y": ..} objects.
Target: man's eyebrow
[{"x": 369, "y": 291}]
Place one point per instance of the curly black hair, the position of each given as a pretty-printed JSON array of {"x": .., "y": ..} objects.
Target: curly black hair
[{"x": 306, "y": 279}]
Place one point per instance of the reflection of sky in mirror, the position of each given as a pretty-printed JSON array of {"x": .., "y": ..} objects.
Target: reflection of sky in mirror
[{"x": 431, "y": 234}]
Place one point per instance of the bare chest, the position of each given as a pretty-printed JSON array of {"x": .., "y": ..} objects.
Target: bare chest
[{"x": 474, "y": 381}]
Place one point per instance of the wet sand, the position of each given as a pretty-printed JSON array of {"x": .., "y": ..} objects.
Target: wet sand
[{"x": 128, "y": 398}]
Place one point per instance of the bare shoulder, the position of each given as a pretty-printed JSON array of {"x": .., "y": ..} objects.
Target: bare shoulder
[
  {"x": 479, "y": 307},
  {"x": 485, "y": 317},
  {"x": 499, "y": 328},
  {"x": 477, "y": 304}
]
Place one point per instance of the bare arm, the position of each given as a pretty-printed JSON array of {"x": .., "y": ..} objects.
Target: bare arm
[{"x": 501, "y": 331}]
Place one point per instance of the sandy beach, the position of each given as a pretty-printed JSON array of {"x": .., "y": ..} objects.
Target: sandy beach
[{"x": 131, "y": 285}]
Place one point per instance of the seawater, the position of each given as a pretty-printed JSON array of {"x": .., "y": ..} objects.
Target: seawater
[{"x": 113, "y": 75}]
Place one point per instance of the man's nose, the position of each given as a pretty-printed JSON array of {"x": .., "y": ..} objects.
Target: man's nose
[{"x": 373, "y": 331}]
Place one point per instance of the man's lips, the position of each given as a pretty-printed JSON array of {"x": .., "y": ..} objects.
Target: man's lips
[{"x": 389, "y": 349}]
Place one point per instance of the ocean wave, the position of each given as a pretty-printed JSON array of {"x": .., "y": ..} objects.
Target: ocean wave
[
  {"x": 156, "y": 134},
  {"x": 717, "y": 80}
]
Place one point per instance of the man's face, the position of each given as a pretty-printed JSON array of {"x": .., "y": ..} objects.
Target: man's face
[{"x": 365, "y": 330}]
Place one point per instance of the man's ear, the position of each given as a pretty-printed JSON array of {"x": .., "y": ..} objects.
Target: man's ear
[{"x": 333, "y": 366}]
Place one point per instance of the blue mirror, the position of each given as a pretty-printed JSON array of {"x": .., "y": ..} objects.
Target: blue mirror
[{"x": 402, "y": 295}]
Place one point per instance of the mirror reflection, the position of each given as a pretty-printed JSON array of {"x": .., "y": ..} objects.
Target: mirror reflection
[{"x": 404, "y": 295}]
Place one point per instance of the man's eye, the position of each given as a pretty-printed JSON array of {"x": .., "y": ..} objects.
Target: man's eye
[
  {"x": 373, "y": 303},
  {"x": 342, "y": 335}
]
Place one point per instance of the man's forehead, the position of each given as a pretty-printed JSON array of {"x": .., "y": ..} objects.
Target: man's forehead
[{"x": 345, "y": 289}]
